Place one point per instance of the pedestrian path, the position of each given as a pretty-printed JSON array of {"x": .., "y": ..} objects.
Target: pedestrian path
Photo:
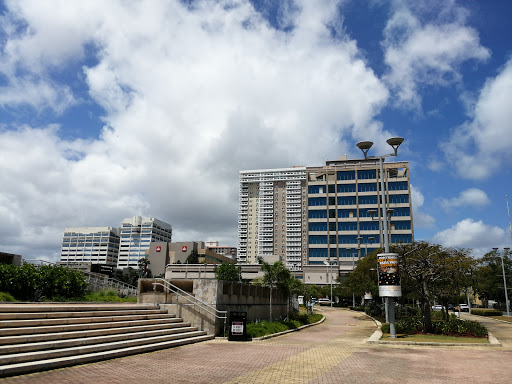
[{"x": 334, "y": 351}]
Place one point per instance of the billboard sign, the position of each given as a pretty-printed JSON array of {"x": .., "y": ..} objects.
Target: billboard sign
[
  {"x": 184, "y": 248},
  {"x": 389, "y": 278}
]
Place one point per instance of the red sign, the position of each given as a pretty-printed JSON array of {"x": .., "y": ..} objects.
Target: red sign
[
  {"x": 184, "y": 248},
  {"x": 158, "y": 248}
]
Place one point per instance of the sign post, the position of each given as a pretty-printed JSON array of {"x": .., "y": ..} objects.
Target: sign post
[{"x": 389, "y": 285}]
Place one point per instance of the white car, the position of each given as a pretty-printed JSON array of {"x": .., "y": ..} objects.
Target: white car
[
  {"x": 464, "y": 307},
  {"x": 324, "y": 301},
  {"x": 437, "y": 307}
]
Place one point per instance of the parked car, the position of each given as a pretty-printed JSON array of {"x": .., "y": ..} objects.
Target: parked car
[
  {"x": 464, "y": 307},
  {"x": 437, "y": 307},
  {"x": 324, "y": 301}
]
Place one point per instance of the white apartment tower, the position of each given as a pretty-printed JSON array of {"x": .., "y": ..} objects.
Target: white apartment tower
[
  {"x": 136, "y": 235},
  {"x": 272, "y": 219},
  {"x": 97, "y": 245}
]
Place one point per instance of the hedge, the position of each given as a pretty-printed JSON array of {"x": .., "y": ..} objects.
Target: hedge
[
  {"x": 486, "y": 312},
  {"x": 453, "y": 326}
]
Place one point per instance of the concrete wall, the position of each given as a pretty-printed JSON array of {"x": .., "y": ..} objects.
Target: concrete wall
[{"x": 224, "y": 296}]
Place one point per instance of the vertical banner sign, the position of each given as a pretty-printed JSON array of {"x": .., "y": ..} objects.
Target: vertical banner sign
[{"x": 389, "y": 278}]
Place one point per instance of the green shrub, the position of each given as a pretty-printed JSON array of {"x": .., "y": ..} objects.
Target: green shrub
[
  {"x": 109, "y": 296},
  {"x": 486, "y": 312},
  {"x": 292, "y": 324},
  {"x": 374, "y": 309},
  {"x": 265, "y": 328},
  {"x": 462, "y": 327},
  {"x": 4, "y": 296},
  {"x": 360, "y": 309}
]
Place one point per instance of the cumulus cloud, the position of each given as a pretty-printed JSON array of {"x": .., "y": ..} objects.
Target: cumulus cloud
[
  {"x": 420, "y": 52},
  {"x": 421, "y": 219},
  {"x": 192, "y": 93},
  {"x": 482, "y": 145},
  {"x": 469, "y": 233},
  {"x": 472, "y": 197}
]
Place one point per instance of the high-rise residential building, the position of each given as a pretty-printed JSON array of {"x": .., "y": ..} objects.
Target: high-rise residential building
[
  {"x": 272, "y": 215},
  {"x": 136, "y": 235},
  {"x": 97, "y": 245},
  {"x": 326, "y": 214}
]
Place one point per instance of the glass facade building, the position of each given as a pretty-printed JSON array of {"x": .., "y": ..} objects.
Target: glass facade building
[{"x": 329, "y": 218}]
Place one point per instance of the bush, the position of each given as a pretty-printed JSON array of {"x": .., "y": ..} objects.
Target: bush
[
  {"x": 265, "y": 328},
  {"x": 462, "y": 328},
  {"x": 374, "y": 309},
  {"x": 486, "y": 312},
  {"x": 359, "y": 309},
  {"x": 32, "y": 283},
  {"x": 6, "y": 297},
  {"x": 109, "y": 296},
  {"x": 408, "y": 325}
]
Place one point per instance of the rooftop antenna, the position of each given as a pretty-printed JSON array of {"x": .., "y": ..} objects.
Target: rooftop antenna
[{"x": 509, "y": 222}]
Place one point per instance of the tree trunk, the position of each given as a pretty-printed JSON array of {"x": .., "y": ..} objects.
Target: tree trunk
[
  {"x": 427, "y": 319},
  {"x": 270, "y": 304}
]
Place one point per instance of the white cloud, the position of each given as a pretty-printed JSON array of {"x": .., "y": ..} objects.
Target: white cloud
[
  {"x": 482, "y": 145},
  {"x": 421, "y": 53},
  {"x": 473, "y": 197},
  {"x": 469, "y": 233},
  {"x": 192, "y": 95},
  {"x": 421, "y": 219}
]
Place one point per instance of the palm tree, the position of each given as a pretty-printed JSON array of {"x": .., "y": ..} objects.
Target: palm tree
[{"x": 275, "y": 276}]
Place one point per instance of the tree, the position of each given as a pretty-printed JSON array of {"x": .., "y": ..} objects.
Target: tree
[
  {"x": 362, "y": 279},
  {"x": 193, "y": 258},
  {"x": 228, "y": 272},
  {"x": 433, "y": 272},
  {"x": 276, "y": 276},
  {"x": 143, "y": 267},
  {"x": 489, "y": 276}
]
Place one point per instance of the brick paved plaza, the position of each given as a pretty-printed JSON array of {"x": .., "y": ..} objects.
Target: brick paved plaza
[{"x": 332, "y": 352}]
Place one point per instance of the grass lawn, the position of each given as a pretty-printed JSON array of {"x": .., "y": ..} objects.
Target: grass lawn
[{"x": 436, "y": 339}]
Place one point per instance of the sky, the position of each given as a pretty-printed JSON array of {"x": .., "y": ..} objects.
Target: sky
[{"x": 114, "y": 109}]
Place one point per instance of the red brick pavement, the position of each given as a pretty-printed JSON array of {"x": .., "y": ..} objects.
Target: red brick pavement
[{"x": 332, "y": 352}]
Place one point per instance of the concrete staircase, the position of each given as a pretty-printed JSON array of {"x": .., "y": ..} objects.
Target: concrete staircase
[{"x": 36, "y": 337}]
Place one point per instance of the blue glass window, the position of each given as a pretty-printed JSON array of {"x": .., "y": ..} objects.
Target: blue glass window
[
  {"x": 401, "y": 225},
  {"x": 313, "y": 227},
  {"x": 317, "y": 214},
  {"x": 347, "y": 200},
  {"x": 346, "y": 212},
  {"x": 317, "y": 252},
  {"x": 315, "y": 201},
  {"x": 316, "y": 189},
  {"x": 397, "y": 186},
  {"x": 317, "y": 239},
  {"x": 398, "y": 199},
  {"x": 346, "y": 175},
  {"x": 367, "y": 187},
  {"x": 347, "y": 226},
  {"x": 407, "y": 239},
  {"x": 369, "y": 226},
  {"x": 367, "y": 174},
  {"x": 347, "y": 239},
  {"x": 345, "y": 188},
  {"x": 402, "y": 211},
  {"x": 367, "y": 200}
]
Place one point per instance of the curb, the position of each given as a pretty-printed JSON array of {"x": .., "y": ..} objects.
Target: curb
[
  {"x": 375, "y": 338},
  {"x": 289, "y": 330}
]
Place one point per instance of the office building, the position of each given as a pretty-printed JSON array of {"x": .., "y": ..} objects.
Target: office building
[
  {"x": 328, "y": 214},
  {"x": 272, "y": 216},
  {"x": 95, "y": 245},
  {"x": 136, "y": 235}
]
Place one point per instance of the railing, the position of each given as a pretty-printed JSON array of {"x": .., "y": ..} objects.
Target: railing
[
  {"x": 190, "y": 298},
  {"x": 101, "y": 282}
]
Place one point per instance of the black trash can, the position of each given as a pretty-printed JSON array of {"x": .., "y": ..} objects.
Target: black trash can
[{"x": 238, "y": 326}]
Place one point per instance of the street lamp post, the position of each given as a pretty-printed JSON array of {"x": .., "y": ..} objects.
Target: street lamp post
[
  {"x": 365, "y": 146},
  {"x": 507, "y": 304}
]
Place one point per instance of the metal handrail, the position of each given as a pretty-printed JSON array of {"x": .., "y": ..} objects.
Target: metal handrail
[{"x": 190, "y": 298}]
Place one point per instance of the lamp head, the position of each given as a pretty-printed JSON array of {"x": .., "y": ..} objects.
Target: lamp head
[
  {"x": 372, "y": 212},
  {"x": 395, "y": 143},
  {"x": 365, "y": 147}
]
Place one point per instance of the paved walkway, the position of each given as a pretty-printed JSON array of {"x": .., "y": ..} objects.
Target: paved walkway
[{"x": 333, "y": 352}]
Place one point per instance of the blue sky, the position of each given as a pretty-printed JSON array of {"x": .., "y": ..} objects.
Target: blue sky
[{"x": 115, "y": 109}]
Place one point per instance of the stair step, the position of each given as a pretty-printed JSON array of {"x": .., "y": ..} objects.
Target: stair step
[
  {"x": 67, "y": 343},
  {"x": 56, "y": 315},
  {"x": 42, "y": 337},
  {"x": 78, "y": 327},
  {"x": 85, "y": 349},
  {"x": 77, "y": 320},
  {"x": 19, "y": 368},
  {"x": 72, "y": 307}
]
